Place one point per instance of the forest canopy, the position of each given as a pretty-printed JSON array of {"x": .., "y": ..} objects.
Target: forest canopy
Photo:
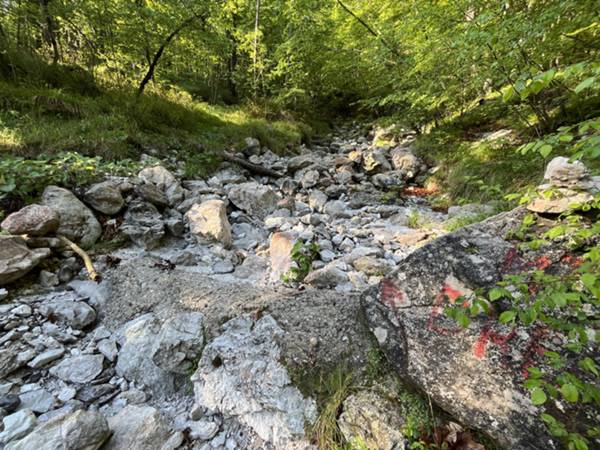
[{"x": 423, "y": 59}]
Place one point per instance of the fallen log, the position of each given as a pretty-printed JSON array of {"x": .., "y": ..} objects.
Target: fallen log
[{"x": 253, "y": 168}]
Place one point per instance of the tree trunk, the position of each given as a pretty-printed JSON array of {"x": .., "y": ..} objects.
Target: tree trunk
[
  {"x": 49, "y": 32},
  {"x": 370, "y": 29},
  {"x": 255, "y": 56},
  {"x": 155, "y": 60}
]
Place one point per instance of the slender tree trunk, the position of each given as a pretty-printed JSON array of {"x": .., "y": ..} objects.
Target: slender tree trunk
[
  {"x": 233, "y": 60},
  {"x": 255, "y": 56},
  {"x": 155, "y": 60},
  {"x": 49, "y": 31},
  {"x": 370, "y": 29}
]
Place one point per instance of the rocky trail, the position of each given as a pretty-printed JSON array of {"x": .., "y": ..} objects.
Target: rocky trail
[{"x": 231, "y": 294}]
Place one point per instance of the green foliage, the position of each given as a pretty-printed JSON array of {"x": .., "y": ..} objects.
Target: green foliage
[
  {"x": 560, "y": 302},
  {"x": 303, "y": 254},
  {"x": 26, "y": 178}
]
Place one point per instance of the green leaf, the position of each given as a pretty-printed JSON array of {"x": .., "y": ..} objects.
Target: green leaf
[
  {"x": 584, "y": 84},
  {"x": 508, "y": 94},
  {"x": 569, "y": 392},
  {"x": 545, "y": 150},
  {"x": 496, "y": 293},
  {"x": 507, "y": 316},
  {"x": 538, "y": 396}
]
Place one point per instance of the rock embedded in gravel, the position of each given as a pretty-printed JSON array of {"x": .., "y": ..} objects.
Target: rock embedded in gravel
[
  {"x": 179, "y": 343},
  {"x": 16, "y": 426},
  {"x": 16, "y": 259},
  {"x": 256, "y": 199},
  {"x": 77, "y": 222},
  {"x": 81, "y": 430},
  {"x": 152, "y": 194},
  {"x": 79, "y": 369},
  {"x": 165, "y": 181},
  {"x": 406, "y": 162},
  {"x": 209, "y": 219},
  {"x": 76, "y": 314},
  {"x": 9, "y": 402},
  {"x": 37, "y": 400},
  {"x": 143, "y": 225},
  {"x": 375, "y": 161},
  {"x": 32, "y": 220},
  {"x": 46, "y": 357},
  {"x": 138, "y": 428},
  {"x": 370, "y": 420},
  {"x": 239, "y": 375},
  {"x": 105, "y": 197}
]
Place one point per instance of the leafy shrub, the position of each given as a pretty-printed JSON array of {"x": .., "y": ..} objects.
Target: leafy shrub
[
  {"x": 561, "y": 302},
  {"x": 303, "y": 254},
  {"x": 27, "y": 178}
]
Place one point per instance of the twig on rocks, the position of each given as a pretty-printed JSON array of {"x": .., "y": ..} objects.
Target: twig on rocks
[{"x": 92, "y": 274}]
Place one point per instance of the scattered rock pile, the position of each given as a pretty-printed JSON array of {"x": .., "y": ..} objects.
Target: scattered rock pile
[{"x": 195, "y": 302}]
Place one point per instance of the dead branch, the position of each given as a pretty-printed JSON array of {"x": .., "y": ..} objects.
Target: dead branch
[
  {"x": 254, "y": 168},
  {"x": 89, "y": 266}
]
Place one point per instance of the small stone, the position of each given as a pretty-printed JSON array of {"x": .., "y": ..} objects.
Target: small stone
[
  {"x": 46, "y": 357},
  {"x": 317, "y": 200},
  {"x": 22, "y": 311},
  {"x": 16, "y": 259},
  {"x": 39, "y": 400},
  {"x": 17, "y": 425},
  {"x": 138, "y": 428},
  {"x": 223, "y": 267},
  {"x": 9, "y": 402},
  {"x": 48, "y": 279},
  {"x": 79, "y": 369},
  {"x": 108, "y": 347},
  {"x": 82, "y": 430},
  {"x": 105, "y": 197},
  {"x": 255, "y": 199},
  {"x": 66, "y": 394},
  {"x": 202, "y": 430},
  {"x": 152, "y": 194},
  {"x": 76, "y": 314}
]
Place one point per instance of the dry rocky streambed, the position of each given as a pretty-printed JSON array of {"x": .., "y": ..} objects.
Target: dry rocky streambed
[{"x": 190, "y": 339}]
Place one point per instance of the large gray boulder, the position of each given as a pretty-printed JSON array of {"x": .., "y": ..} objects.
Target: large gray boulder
[
  {"x": 240, "y": 376},
  {"x": 77, "y": 222},
  {"x": 375, "y": 161},
  {"x": 33, "y": 220},
  {"x": 165, "y": 181},
  {"x": 16, "y": 260},
  {"x": 209, "y": 219},
  {"x": 80, "y": 430},
  {"x": 144, "y": 225},
  {"x": 476, "y": 374},
  {"x": 255, "y": 199},
  {"x": 406, "y": 162},
  {"x": 139, "y": 428},
  {"x": 155, "y": 352},
  {"x": 105, "y": 197}
]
